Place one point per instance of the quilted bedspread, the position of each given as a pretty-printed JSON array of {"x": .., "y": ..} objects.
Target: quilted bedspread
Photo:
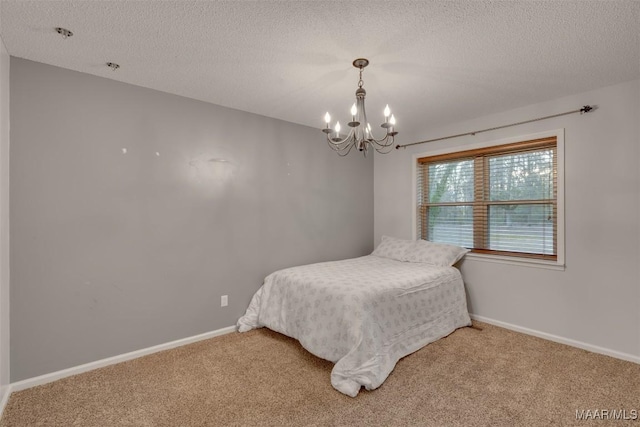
[{"x": 363, "y": 314}]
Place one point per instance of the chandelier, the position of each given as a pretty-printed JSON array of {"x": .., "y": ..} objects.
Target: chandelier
[{"x": 360, "y": 133}]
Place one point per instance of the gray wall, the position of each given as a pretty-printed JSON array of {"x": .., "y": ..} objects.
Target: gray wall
[
  {"x": 595, "y": 300},
  {"x": 113, "y": 252},
  {"x": 4, "y": 220}
]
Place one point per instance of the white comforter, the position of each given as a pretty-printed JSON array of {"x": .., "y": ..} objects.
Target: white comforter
[{"x": 363, "y": 314}]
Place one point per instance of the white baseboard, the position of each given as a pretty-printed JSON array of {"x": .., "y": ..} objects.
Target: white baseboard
[
  {"x": 562, "y": 340},
  {"x": 53, "y": 376},
  {"x": 47, "y": 378},
  {"x": 5, "y": 391}
]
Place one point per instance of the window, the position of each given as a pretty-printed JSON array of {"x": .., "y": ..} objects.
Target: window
[{"x": 498, "y": 200}]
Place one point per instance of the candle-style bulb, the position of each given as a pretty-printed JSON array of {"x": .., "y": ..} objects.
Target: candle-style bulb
[
  {"x": 354, "y": 109},
  {"x": 327, "y": 118},
  {"x": 392, "y": 120},
  {"x": 387, "y": 111},
  {"x": 337, "y": 128}
]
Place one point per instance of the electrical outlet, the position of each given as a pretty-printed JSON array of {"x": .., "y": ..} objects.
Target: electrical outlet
[{"x": 224, "y": 300}]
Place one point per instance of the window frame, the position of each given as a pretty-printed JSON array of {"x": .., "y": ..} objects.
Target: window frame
[{"x": 530, "y": 261}]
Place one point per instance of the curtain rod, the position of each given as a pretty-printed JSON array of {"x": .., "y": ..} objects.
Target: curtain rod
[{"x": 582, "y": 110}]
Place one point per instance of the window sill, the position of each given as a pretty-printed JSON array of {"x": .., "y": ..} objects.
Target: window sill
[{"x": 522, "y": 262}]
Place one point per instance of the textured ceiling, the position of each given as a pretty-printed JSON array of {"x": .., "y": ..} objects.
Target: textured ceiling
[{"x": 432, "y": 61}]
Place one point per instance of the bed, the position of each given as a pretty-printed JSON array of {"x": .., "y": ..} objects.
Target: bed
[{"x": 363, "y": 314}]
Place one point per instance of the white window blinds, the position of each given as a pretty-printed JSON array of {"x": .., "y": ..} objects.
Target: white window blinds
[{"x": 500, "y": 199}]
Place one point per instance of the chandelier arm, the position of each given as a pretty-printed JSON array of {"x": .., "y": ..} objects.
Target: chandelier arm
[
  {"x": 351, "y": 138},
  {"x": 337, "y": 147},
  {"x": 341, "y": 146},
  {"x": 370, "y": 133},
  {"x": 347, "y": 152},
  {"x": 384, "y": 142},
  {"x": 386, "y": 149},
  {"x": 342, "y": 141},
  {"x": 340, "y": 151}
]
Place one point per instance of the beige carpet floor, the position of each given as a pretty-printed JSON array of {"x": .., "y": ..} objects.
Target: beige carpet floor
[{"x": 493, "y": 377}]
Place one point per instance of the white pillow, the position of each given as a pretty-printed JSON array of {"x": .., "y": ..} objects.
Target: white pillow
[
  {"x": 393, "y": 248},
  {"x": 440, "y": 254}
]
